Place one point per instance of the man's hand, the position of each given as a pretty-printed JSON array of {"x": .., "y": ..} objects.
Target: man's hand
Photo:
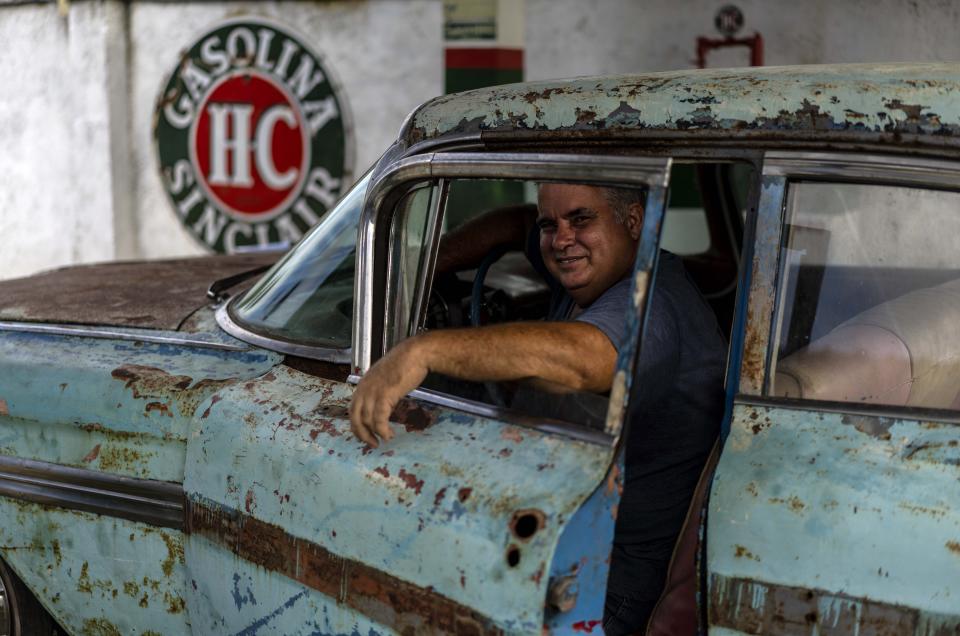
[{"x": 391, "y": 378}]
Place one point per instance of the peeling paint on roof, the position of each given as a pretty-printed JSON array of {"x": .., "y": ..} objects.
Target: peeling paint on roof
[{"x": 904, "y": 98}]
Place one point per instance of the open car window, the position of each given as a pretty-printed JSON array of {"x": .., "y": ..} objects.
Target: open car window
[{"x": 503, "y": 284}]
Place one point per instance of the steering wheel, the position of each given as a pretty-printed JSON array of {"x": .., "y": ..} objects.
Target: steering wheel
[
  {"x": 476, "y": 297},
  {"x": 496, "y": 392}
]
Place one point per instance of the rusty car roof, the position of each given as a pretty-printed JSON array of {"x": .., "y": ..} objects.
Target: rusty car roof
[{"x": 880, "y": 102}]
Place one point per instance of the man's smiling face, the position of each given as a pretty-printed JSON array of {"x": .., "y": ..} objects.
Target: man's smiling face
[{"x": 583, "y": 244}]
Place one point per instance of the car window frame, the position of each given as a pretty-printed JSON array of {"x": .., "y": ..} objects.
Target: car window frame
[
  {"x": 765, "y": 278},
  {"x": 375, "y": 232}
]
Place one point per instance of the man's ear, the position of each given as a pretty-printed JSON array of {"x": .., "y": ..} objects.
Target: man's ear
[{"x": 634, "y": 221}]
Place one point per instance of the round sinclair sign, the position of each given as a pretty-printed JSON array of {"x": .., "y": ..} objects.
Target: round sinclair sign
[{"x": 251, "y": 137}]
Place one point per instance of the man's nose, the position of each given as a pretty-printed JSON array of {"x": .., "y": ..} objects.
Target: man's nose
[{"x": 563, "y": 237}]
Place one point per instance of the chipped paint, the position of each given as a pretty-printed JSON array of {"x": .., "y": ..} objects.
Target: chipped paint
[
  {"x": 766, "y": 250},
  {"x": 372, "y": 592},
  {"x": 885, "y": 101},
  {"x": 857, "y": 508},
  {"x": 95, "y": 574},
  {"x": 95, "y": 409},
  {"x": 758, "y": 607},
  {"x": 436, "y": 510}
]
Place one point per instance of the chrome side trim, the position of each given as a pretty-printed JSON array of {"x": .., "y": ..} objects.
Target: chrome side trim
[
  {"x": 326, "y": 354},
  {"x": 158, "y": 503},
  {"x": 110, "y": 334},
  {"x": 822, "y": 165}
]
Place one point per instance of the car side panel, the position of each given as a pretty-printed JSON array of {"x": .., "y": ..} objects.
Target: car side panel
[
  {"x": 417, "y": 533},
  {"x": 119, "y": 410},
  {"x": 822, "y": 519},
  {"x": 97, "y": 574},
  {"x": 117, "y": 406}
]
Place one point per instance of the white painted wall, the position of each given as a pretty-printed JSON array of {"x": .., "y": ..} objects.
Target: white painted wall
[
  {"x": 80, "y": 179},
  {"x": 57, "y": 196},
  {"x": 567, "y": 38},
  {"x": 386, "y": 55}
]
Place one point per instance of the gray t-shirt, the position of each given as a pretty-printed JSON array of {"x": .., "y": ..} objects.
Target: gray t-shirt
[{"x": 676, "y": 407}]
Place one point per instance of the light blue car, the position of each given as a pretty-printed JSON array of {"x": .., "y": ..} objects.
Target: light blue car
[{"x": 172, "y": 463}]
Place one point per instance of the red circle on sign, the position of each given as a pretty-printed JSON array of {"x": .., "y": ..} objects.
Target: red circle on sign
[{"x": 249, "y": 146}]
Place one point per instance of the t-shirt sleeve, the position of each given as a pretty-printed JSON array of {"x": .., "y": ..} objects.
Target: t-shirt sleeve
[
  {"x": 660, "y": 350},
  {"x": 609, "y": 312}
]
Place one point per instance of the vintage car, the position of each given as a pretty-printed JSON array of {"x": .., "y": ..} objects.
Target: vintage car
[{"x": 172, "y": 463}]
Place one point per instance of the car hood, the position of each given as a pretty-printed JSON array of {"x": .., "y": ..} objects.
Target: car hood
[{"x": 146, "y": 294}]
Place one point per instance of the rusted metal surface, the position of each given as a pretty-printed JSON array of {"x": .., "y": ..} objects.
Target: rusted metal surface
[
  {"x": 457, "y": 511},
  {"x": 763, "y": 277},
  {"x": 150, "y": 294},
  {"x": 756, "y": 607},
  {"x": 121, "y": 407},
  {"x": 374, "y": 593},
  {"x": 96, "y": 574},
  {"x": 857, "y": 508},
  {"x": 837, "y": 101},
  {"x": 641, "y": 289},
  {"x": 581, "y": 562}
]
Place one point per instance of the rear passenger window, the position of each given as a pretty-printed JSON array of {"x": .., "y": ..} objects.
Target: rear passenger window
[{"x": 869, "y": 300}]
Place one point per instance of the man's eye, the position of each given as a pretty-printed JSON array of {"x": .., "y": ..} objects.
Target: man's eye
[
  {"x": 580, "y": 219},
  {"x": 546, "y": 226}
]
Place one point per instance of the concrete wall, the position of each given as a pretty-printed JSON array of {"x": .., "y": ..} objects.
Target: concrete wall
[
  {"x": 80, "y": 179},
  {"x": 566, "y": 38}
]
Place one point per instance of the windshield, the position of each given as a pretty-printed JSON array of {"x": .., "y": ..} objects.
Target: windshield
[{"x": 307, "y": 297}]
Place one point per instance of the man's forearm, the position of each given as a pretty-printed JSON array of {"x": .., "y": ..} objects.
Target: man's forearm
[{"x": 577, "y": 355}]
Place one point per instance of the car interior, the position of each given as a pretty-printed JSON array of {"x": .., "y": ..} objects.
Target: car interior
[{"x": 703, "y": 224}]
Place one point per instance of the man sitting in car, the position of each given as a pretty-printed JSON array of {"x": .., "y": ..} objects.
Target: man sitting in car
[{"x": 588, "y": 238}]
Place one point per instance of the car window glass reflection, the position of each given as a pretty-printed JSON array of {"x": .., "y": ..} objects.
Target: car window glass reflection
[
  {"x": 869, "y": 308},
  {"x": 308, "y": 296}
]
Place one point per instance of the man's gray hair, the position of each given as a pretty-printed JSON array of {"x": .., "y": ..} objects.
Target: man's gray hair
[{"x": 620, "y": 199}]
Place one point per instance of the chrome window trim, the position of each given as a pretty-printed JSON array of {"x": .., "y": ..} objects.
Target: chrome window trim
[
  {"x": 111, "y": 334},
  {"x": 838, "y": 167},
  {"x": 325, "y": 354},
  {"x": 431, "y": 242},
  {"x": 599, "y": 169},
  {"x": 857, "y": 167},
  {"x": 157, "y": 503},
  {"x": 892, "y": 411},
  {"x": 544, "y": 425}
]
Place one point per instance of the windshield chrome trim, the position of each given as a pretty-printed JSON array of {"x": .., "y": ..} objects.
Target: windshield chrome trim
[
  {"x": 111, "y": 334},
  {"x": 325, "y": 354},
  {"x": 149, "y": 501},
  {"x": 544, "y": 425}
]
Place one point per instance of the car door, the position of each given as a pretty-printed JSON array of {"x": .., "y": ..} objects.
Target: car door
[
  {"x": 473, "y": 519},
  {"x": 834, "y": 508}
]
